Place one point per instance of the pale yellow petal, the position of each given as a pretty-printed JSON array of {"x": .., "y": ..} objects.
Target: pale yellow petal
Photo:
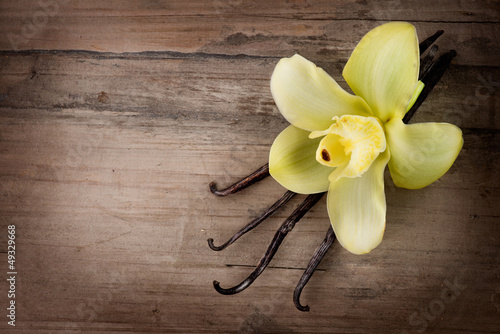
[
  {"x": 292, "y": 162},
  {"x": 357, "y": 208},
  {"x": 308, "y": 97},
  {"x": 383, "y": 68},
  {"x": 421, "y": 153}
]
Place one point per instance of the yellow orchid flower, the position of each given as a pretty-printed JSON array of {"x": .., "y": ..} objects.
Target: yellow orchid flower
[{"x": 341, "y": 143}]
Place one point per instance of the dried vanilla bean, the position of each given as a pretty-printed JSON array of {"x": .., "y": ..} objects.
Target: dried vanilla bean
[
  {"x": 247, "y": 181},
  {"x": 254, "y": 223},
  {"x": 319, "y": 253},
  {"x": 280, "y": 235},
  {"x": 424, "y": 45},
  {"x": 427, "y": 62},
  {"x": 430, "y": 79}
]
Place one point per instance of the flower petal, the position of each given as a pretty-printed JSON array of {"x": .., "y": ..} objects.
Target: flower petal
[
  {"x": 292, "y": 162},
  {"x": 422, "y": 152},
  {"x": 357, "y": 208},
  {"x": 383, "y": 68},
  {"x": 308, "y": 97}
]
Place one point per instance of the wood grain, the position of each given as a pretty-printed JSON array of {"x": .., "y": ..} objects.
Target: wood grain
[
  {"x": 115, "y": 117},
  {"x": 232, "y": 27}
]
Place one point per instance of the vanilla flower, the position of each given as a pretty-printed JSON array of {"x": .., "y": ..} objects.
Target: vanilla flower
[{"x": 341, "y": 143}]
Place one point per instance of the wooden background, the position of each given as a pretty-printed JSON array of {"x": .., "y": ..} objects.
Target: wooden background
[{"x": 115, "y": 116}]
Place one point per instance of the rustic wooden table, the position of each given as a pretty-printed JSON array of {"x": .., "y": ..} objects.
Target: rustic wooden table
[{"x": 116, "y": 115}]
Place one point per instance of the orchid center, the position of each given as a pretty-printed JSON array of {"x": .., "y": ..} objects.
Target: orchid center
[{"x": 350, "y": 144}]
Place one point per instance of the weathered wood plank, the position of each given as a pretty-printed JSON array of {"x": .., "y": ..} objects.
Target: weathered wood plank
[
  {"x": 174, "y": 86},
  {"x": 276, "y": 29},
  {"x": 445, "y": 11}
]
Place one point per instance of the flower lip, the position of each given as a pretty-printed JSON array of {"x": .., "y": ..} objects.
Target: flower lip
[{"x": 351, "y": 144}]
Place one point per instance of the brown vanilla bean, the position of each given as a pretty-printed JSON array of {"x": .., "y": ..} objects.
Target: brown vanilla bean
[
  {"x": 319, "y": 253},
  {"x": 254, "y": 223},
  {"x": 430, "y": 79},
  {"x": 280, "y": 235},
  {"x": 247, "y": 181},
  {"x": 424, "y": 45},
  {"x": 427, "y": 62}
]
